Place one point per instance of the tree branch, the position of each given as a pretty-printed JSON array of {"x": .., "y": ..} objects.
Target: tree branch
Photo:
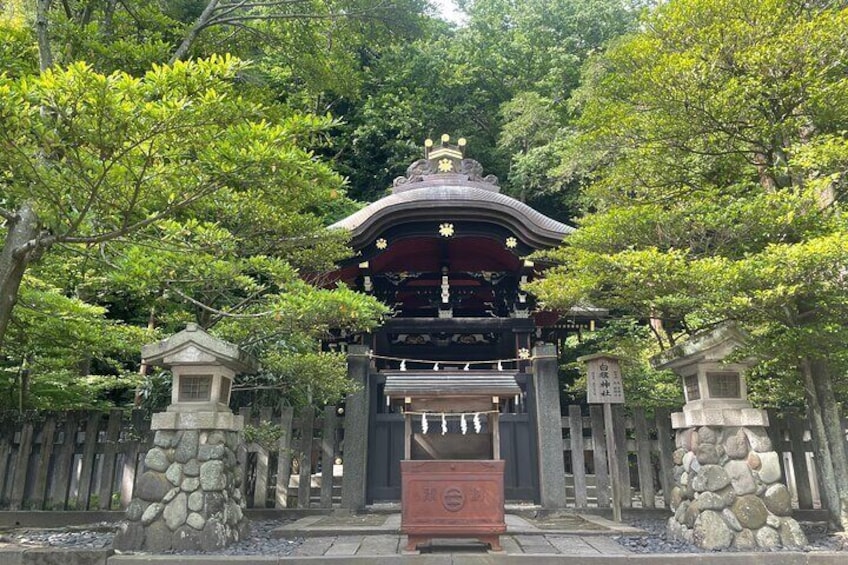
[
  {"x": 220, "y": 313},
  {"x": 199, "y": 24},
  {"x": 218, "y": 13}
]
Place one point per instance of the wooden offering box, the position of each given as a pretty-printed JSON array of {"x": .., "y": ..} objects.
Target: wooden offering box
[
  {"x": 452, "y": 498},
  {"x": 452, "y": 476}
]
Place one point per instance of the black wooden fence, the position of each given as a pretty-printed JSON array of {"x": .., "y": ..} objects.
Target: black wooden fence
[{"x": 89, "y": 460}]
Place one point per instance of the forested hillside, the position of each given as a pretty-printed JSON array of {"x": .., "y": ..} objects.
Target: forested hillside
[{"x": 177, "y": 160}]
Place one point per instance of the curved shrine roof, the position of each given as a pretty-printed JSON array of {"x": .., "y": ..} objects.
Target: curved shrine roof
[{"x": 446, "y": 186}]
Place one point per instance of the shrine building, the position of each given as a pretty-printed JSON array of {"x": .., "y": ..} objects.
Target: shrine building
[{"x": 447, "y": 252}]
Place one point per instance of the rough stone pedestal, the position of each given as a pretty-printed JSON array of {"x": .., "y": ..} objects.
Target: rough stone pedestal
[
  {"x": 188, "y": 498},
  {"x": 728, "y": 490}
]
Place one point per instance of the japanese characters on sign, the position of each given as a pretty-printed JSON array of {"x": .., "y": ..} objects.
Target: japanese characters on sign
[{"x": 604, "y": 381}]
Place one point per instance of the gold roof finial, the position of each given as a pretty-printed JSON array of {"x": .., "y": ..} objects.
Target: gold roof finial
[{"x": 445, "y": 150}]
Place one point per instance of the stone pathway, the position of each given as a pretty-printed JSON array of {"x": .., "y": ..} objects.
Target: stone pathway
[
  {"x": 379, "y": 535},
  {"x": 522, "y": 544}
]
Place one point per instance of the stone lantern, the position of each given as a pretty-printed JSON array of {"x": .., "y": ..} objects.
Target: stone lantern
[
  {"x": 203, "y": 369},
  {"x": 727, "y": 479},
  {"x": 189, "y": 496},
  {"x": 716, "y": 392}
]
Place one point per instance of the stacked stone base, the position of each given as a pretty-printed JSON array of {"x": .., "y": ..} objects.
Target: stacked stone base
[
  {"x": 188, "y": 499},
  {"x": 728, "y": 491}
]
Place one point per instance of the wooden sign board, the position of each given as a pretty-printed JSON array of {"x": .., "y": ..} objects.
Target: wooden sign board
[{"x": 603, "y": 381}]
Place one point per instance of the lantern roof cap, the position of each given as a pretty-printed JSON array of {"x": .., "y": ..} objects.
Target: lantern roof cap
[
  {"x": 194, "y": 346},
  {"x": 711, "y": 345}
]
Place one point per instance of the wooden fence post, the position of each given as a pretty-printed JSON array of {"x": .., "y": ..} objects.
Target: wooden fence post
[
  {"x": 799, "y": 461},
  {"x": 643, "y": 459},
  {"x": 260, "y": 491},
  {"x": 5, "y": 454},
  {"x": 662, "y": 418},
  {"x": 241, "y": 453},
  {"x": 327, "y": 459},
  {"x": 48, "y": 437},
  {"x": 64, "y": 462},
  {"x": 305, "y": 485},
  {"x": 21, "y": 467},
  {"x": 622, "y": 460},
  {"x": 89, "y": 452},
  {"x": 599, "y": 456},
  {"x": 578, "y": 462},
  {"x": 141, "y": 426},
  {"x": 110, "y": 454},
  {"x": 284, "y": 458}
]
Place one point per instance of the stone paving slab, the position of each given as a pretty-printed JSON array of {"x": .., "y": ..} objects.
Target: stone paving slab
[
  {"x": 527, "y": 541},
  {"x": 572, "y": 545},
  {"x": 315, "y": 526},
  {"x": 380, "y": 545},
  {"x": 339, "y": 548}
]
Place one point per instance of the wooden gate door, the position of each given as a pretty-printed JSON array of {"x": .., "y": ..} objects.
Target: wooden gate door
[
  {"x": 519, "y": 446},
  {"x": 385, "y": 446}
]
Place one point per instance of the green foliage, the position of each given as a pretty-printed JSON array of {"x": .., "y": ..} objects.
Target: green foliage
[
  {"x": 267, "y": 435},
  {"x": 178, "y": 194},
  {"x": 506, "y": 73},
  {"x": 714, "y": 141},
  {"x": 18, "y": 55},
  {"x": 65, "y": 352}
]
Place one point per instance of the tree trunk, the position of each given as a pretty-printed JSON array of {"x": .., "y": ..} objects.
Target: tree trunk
[
  {"x": 142, "y": 370},
  {"x": 45, "y": 55},
  {"x": 15, "y": 257},
  {"x": 108, "y": 20},
  {"x": 833, "y": 428},
  {"x": 821, "y": 449}
]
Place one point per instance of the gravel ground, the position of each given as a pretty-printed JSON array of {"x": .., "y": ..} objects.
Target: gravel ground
[
  {"x": 657, "y": 542},
  {"x": 89, "y": 536},
  {"x": 97, "y": 536}
]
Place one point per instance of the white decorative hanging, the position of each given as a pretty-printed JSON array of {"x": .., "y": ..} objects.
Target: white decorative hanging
[
  {"x": 444, "y": 424},
  {"x": 436, "y": 367},
  {"x": 467, "y": 367},
  {"x": 500, "y": 366},
  {"x": 477, "y": 425},
  {"x": 403, "y": 365},
  {"x": 463, "y": 425},
  {"x": 424, "y": 424}
]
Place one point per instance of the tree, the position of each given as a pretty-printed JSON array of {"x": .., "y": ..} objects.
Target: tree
[
  {"x": 460, "y": 81},
  {"x": 714, "y": 139},
  {"x": 88, "y": 159},
  {"x": 192, "y": 168}
]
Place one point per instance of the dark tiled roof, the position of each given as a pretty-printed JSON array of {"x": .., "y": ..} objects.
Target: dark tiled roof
[{"x": 454, "y": 197}]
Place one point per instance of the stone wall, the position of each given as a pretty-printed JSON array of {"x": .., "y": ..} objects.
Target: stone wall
[
  {"x": 728, "y": 490},
  {"x": 189, "y": 496}
]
